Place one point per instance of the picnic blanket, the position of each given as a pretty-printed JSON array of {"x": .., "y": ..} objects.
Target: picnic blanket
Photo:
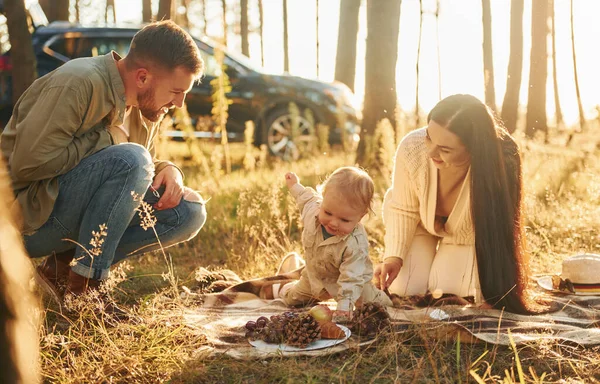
[{"x": 222, "y": 316}]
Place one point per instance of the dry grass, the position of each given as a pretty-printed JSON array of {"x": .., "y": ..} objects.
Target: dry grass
[{"x": 251, "y": 224}]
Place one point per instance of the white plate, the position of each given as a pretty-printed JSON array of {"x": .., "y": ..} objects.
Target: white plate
[
  {"x": 546, "y": 283},
  {"x": 318, "y": 344}
]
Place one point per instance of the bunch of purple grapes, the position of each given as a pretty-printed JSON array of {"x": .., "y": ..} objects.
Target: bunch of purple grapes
[{"x": 270, "y": 330}]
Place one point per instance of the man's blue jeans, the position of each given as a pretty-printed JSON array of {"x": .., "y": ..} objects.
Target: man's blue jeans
[{"x": 99, "y": 191}]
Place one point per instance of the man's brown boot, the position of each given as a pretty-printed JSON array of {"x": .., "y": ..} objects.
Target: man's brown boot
[
  {"x": 78, "y": 285},
  {"x": 53, "y": 272}
]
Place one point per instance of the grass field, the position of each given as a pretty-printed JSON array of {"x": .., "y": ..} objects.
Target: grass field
[{"x": 252, "y": 222}]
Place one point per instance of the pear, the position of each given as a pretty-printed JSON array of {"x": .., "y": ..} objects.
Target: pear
[{"x": 321, "y": 313}]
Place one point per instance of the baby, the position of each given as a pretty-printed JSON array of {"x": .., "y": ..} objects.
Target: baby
[{"x": 335, "y": 243}]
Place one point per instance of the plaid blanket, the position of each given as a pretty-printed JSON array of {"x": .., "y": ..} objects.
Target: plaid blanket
[{"x": 222, "y": 316}]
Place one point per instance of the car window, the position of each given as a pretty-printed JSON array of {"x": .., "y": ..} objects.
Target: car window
[
  {"x": 211, "y": 66},
  {"x": 98, "y": 46},
  {"x": 74, "y": 47},
  {"x": 65, "y": 47}
]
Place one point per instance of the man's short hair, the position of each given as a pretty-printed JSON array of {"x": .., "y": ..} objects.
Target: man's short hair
[{"x": 165, "y": 45}]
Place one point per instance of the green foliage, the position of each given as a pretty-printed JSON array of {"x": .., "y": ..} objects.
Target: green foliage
[
  {"x": 341, "y": 119},
  {"x": 294, "y": 121},
  {"x": 402, "y": 123},
  {"x": 249, "y": 159},
  {"x": 220, "y": 88},
  {"x": 323, "y": 138},
  {"x": 386, "y": 148},
  {"x": 380, "y": 150}
]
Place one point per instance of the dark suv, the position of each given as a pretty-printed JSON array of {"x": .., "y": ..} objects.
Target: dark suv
[{"x": 256, "y": 96}]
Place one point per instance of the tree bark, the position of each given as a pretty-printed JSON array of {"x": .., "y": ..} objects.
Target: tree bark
[
  {"x": 244, "y": 27},
  {"x": 55, "y": 9},
  {"x": 538, "y": 71},
  {"x": 383, "y": 23},
  {"x": 345, "y": 60},
  {"x": 146, "y": 11},
  {"x": 488, "y": 58},
  {"x": 286, "y": 54},
  {"x": 510, "y": 105},
  {"x": 22, "y": 58},
  {"x": 557, "y": 108},
  {"x": 164, "y": 10},
  {"x": 261, "y": 17},
  {"x": 582, "y": 121}
]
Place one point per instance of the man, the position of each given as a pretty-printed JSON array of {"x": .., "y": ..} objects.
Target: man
[{"x": 79, "y": 148}]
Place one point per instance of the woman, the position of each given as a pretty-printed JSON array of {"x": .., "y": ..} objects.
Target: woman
[{"x": 453, "y": 213}]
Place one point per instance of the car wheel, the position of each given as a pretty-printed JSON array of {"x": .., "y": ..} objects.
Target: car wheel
[{"x": 283, "y": 140}]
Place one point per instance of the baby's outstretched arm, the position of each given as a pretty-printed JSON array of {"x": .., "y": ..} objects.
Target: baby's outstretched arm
[{"x": 291, "y": 179}]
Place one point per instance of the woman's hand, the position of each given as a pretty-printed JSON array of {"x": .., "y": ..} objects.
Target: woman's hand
[
  {"x": 291, "y": 179},
  {"x": 386, "y": 272}
]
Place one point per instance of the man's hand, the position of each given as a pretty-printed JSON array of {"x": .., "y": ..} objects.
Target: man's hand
[
  {"x": 386, "y": 272},
  {"x": 171, "y": 178},
  {"x": 291, "y": 179}
]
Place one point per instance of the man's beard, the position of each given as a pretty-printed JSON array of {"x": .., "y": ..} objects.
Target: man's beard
[{"x": 146, "y": 105}]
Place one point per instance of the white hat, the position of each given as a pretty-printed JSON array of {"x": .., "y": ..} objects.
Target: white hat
[{"x": 580, "y": 275}]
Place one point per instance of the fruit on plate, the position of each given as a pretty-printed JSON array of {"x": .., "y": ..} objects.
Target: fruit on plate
[
  {"x": 321, "y": 313},
  {"x": 330, "y": 330}
]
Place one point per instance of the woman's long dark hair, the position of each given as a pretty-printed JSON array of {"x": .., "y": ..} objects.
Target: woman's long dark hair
[{"x": 496, "y": 199}]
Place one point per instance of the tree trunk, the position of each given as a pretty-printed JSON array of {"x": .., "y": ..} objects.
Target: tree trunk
[
  {"x": 225, "y": 26},
  {"x": 419, "y": 40},
  {"x": 345, "y": 60},
  {"x": 261, "y": 17},
  {"x": 78, "y": 11},
  {"x": 317, "y": 36},
  {"x": 110, "y": 8},
  {"x": 558, "y": 110},
  {"x": 582, "y": 122},
  {"x": 244, "y": 27},
  {"x": 164, "y": 10},
  {"x": 383, "y": 23},
  {"x": 538, "y": 71},
  {"x": 488, "y": 58},
  {"x": 510, "y": 105},
  {"x": 18, "y": 316},
  {"x": 21, "y": 54},
  {"x": 146, "y": 11},
  {"x": 55, "y": 9},
  {"x": 286, "y": 54}
]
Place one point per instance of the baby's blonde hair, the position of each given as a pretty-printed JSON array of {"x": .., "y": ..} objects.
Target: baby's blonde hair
[{"x": 354, "y": 183}]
